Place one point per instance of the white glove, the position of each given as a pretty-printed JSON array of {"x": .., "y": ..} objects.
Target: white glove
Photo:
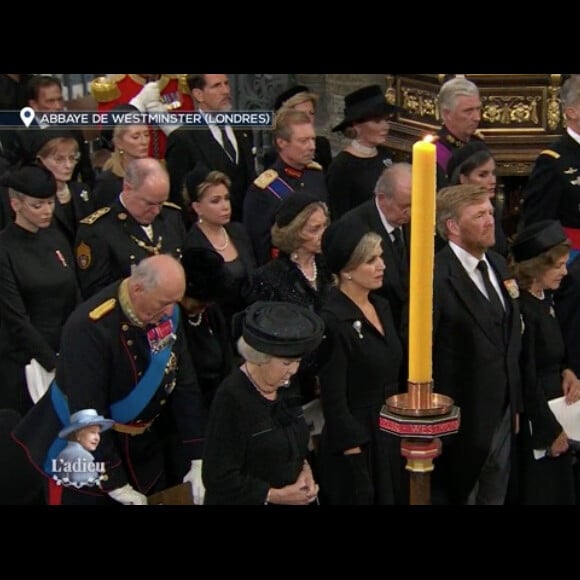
[
  {"x": 160, "y": 107},
  {"x": 128, "y": 496},
  {"x": 148, "y": 94},
  {"x": 194, "y": 477}
]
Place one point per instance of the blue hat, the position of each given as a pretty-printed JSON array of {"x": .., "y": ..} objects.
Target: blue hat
[{"x": 85, "y": 418}]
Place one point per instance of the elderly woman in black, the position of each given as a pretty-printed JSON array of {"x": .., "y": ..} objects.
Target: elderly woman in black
[
  {"x": 299, "y": 274},
  {"x": 359, "y": 367},
  {"x": 39, "y": 288},
  {"x": 257, "y": 440},
  {"x": 540, "y": 252},
  {"x": 58, "y": 151}
]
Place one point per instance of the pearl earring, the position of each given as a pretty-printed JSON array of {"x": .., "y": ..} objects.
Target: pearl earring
[
  {"x": 121, "y": 152},
  {"x": 348, "y": 277},
  {"x": 200, "y": 220}
]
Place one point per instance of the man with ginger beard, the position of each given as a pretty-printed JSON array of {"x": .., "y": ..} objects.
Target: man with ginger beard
[{"x": 476, "y": 347}]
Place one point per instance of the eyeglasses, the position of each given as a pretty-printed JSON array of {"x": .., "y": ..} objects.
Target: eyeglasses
[{"x": 62, "y": 159}]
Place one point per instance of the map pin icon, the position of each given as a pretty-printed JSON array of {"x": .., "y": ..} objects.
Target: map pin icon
[{"x": 27, "y": 115}]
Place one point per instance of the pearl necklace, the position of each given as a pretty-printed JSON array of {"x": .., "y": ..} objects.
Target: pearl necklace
[
  {"x": 539, "y": 295},
  {"x": 196, "y": 319},
  {"x": 363, "y": 150},
  {"x": 226, "y": 242},
  {"x": 311, "y": 279}
]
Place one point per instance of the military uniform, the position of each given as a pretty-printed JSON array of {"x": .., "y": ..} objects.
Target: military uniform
[
  {"x": 445, "y": 144},
  {"x": 123, "y": 88},
  {"x": 266, "y": 194},
  {"x": 110, "y": 241},
  {"x": 104, "y": 356},
  {"x": 553, "y": 189}
]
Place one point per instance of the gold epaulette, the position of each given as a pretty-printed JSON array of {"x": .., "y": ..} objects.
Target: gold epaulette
[
  {"x": 183, "y": 86},
  {"x": 105, "y": 89},
  {"x": 171, "y": 204},
  {"x": 314, "y": 165},
  {"x": 264, "y": 179},
  {"x": 550, "y": 153},
  {"x": 102, "y": 309},
  {"x": 91, "y": 219},
  {"x": 479, "y": 134}
]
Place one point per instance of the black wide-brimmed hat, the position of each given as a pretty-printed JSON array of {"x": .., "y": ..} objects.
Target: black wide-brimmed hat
[
  {"x": 536, "y": 239},
  {"x": 281, "y": 329},
  {"x": 288, "y": 94},
  {"x": 32, "y": 180},
  {"x": 293, "y": 205},
  {"x": 205, "y": 274},
  {"x": 363, "y": 104},
  {"x": 461, "y": 155},
  {"x": 340, "y": 240}
]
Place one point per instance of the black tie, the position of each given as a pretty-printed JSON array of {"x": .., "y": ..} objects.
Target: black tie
[
  {"x": 491, "y": 291},
  {"x": 227, "y": 144},
  {"x": 399, "y": 245}
]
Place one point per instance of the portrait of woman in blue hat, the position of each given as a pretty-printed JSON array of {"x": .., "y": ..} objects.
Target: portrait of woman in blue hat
[{"x": 75, "y": 465}]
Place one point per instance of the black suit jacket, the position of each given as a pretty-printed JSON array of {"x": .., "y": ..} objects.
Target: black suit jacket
[
  {"x": 395, "y": 286},
  {"x": 188, "y": 148},
  {"x": 473, "y": 364}
]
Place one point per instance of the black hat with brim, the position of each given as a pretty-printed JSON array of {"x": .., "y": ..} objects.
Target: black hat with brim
[
  {"x": 339, "y": 241},
  {"x": 32, "y": 180},
  {"x": 537, "y": 238},
  {"x": 364, "y": 104},
  {"x": 281, "y": 329}
]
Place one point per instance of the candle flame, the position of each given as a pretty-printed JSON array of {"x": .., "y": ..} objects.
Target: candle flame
[{"x": 428, "y": 138}]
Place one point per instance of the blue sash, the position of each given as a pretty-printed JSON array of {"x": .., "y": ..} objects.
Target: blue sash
[
  {"x": 280, "y": 188},
  {"x": 124, "y": 410}
]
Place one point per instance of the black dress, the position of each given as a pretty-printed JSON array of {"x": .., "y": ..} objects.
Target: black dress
[
  {"x": 282, "y": 281},
  {"x": 351, "y": 180},
  {"x": 548, "y": 480},
  {"x": 251, "y": 444},
  {"x": 237, "y": 293},
  {"x": 38, "y": 292},
  {"x": 359, "y": 369},
  {"x": 210, "y": 348}
]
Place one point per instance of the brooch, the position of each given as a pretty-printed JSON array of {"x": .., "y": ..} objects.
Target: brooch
[
  {"x": 357, "y": 325},
  {"x": 512, "y": 287},
  {"x": 84, "y": 195}
]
